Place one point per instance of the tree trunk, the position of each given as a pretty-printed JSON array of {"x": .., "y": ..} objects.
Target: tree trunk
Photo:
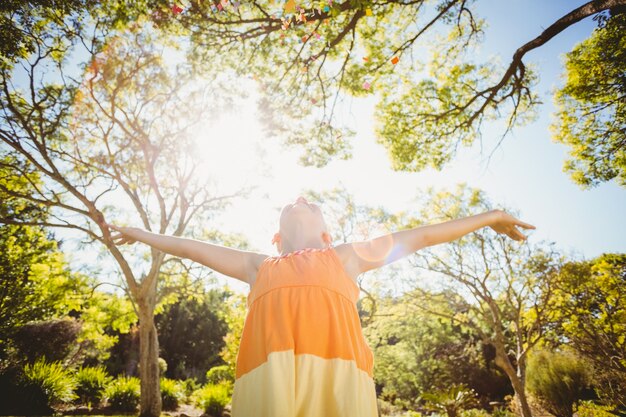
[
  {"x": 518, "y": 384},
  {"x": 150, "y": 405}
]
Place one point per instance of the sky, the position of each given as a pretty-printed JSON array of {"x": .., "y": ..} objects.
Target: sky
[{"x": 524, "y": 173}]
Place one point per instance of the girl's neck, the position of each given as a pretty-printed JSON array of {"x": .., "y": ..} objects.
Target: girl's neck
[{"x": 298, "y": 244}]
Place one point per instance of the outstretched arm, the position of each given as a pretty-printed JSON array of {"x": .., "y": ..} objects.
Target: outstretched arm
[
  {"x": 235, "y": 263},
  {"x": 359, "y": 257}
]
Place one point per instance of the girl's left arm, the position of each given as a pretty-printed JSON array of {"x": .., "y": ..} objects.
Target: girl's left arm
[{"x": 359, "y": 257}]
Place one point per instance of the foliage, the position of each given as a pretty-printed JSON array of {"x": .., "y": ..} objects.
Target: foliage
[
  {"x": 172, "y": 393},
  {"x": 474, "y": 412},
  {"x": 123, "y": 393},
  {"x": 56, "y": 383},
  {"x": 233, "y": 313},
  {"x": 591, "y": 117},
  {"x": 191, "y": 334},
  {"x": 190, "y": 385},
  {"x": 590, "y": 306},
  {"x": 417, "y": 351},
  {"x": 213, "y": 398},
  {"x": 452, "y": 400},
  {"x": 92, "y": 382},
  {"x": 37, "y": 284},
  {"x": 54, "y": 339},
  {"x": 557, "y": 379},
  {"x": 104, "y": 317},
  {"x": 591, "y": 409},
  {"x": 219, "y": 374},
  {"x": 498, "y": 287},
  {"x": 22, "y": 21}
]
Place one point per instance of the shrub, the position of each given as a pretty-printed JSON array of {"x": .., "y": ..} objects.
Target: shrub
[
  {"x": 219, "y": 374},
  {"x": 590, "y": 409},
  {"x": 162, "y": 366},
  {"x": 213, "y": 398},
  {"x": 456, "y": 398},
  {"x": 557, "y": 379},
  {"x": 502, "y": 412},
  {"x": 123, "y": 393},
  {"x": 189, "y": 386},
  {"x": 55, "y": 339},
  {"x": 171, "y": 393},
  {"x": 50, "y": 379},
  {"x": 92, "y": 382},
  {"x": 474, "y": 412}
]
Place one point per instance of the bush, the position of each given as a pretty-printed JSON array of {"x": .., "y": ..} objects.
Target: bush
[
  {"x": 456, "y": 398},
  {"x": 219, "y": 374},
  {"x": 171, "y": 393},
  {"x": 55, "y": 339},
  {"x": 557, "y": 380},
  {"x": 474, "y": 412},
  {"x": 213, "y": 398},
  {"x": 123, "y": 393},
  {"x": 589, "y": 409},
  {"x": 50, "y": 379},
  {"x": 162, "y": 366},
  {"x": 92, "y": 382},
  {"x": 189, "y": 386}
]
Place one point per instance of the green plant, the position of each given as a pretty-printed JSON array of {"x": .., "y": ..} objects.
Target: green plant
[
  {"x": 213, "y": 398},
  {"x": 218, "y": 374},
  {"x": 123, "y": 393},
  {"x": 92, "y": 382},
  {"x": 590, "y": 409},
  {"x": 56, "y": 383},
  {"x": 172, "y": 393},
  {"x": 189, "y": 385},
  {"x": 502, "y": 412},
  {"x": 557, "y": 379},
  {"x": 452, "y": 401},
  {"x": 474, "y": 412},
  {"x": 162, "y": 366}
]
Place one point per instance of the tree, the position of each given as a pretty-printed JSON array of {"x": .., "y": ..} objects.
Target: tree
[
  {"x": 500, "y": 289},
  {"x": 418, "y": 352},
  {"x": 590, "y": 306},
  {"x": 307, "y": 56},
  {"x": 37, "y": 285},
  {"x": 191, "y": 335},
  {"x": 592, "y": 115},
  {"x": 104, "y": 147}
]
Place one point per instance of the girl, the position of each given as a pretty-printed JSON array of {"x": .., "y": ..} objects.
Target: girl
[{"x": 302, "y": 352}]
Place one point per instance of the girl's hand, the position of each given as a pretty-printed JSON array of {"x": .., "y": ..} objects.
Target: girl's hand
[
  {"x": 505, "y": 223},
  {"x": 124, "y": 235}
]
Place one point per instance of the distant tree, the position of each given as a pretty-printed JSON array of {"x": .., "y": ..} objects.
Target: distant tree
[
  {"x": 590, "y": 308},
  {"x": 499, "y": 288},
  {"x": 233, "y": 312},
  {"x": 591, "y": 119},
  {"x": 106, "y": 145},
  {"x": 417, "y": 352},
  {"x": 36, "y": 283},
  {"x": 191, "y": 335}
]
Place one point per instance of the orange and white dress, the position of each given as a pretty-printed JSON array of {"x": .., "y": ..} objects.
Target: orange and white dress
[{"x": 302, "y": 352}]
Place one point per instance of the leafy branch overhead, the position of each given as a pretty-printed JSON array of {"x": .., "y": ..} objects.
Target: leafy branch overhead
[{"x": 308, "y": 56}]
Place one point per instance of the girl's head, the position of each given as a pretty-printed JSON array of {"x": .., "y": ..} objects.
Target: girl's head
[{"x": 301, "y": 225}]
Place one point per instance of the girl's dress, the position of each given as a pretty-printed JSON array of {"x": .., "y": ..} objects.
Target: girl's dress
[{"x": 302, "y": 352}]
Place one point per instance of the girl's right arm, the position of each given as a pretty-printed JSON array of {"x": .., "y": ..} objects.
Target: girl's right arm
[{"x": 235, "y": 263}]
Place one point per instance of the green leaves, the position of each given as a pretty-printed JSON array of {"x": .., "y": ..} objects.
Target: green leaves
[{"x": 591, "y": 116}]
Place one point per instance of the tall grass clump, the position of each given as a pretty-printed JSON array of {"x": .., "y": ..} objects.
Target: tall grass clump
[
  {"x": 123, "y": 393},
  {"x": 49, "y": 382},
  {"x": 92, "y": 383}
]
